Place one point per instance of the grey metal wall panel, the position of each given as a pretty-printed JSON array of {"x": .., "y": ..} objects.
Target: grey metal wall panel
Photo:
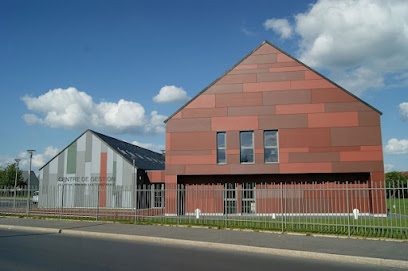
[
  {"x": 46, "y": 174},
  {"x": 61, "y": 164},
  {"x": 88, "y": 150},
  {"x": 80, "y": 168},
  {"x": 104, "y": 148}
]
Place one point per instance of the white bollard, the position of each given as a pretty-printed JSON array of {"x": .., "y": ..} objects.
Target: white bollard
[
  {"x": 356, "y": 212},
  {"x": 197, "y": 211}
]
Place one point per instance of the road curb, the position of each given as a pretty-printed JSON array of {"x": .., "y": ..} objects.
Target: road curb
[{"x": 227, "y": 247}]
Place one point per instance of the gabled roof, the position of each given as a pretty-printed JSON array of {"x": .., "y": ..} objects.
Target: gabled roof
[
  {"x": 144, "y": 158},
  {"x": 283, "y": 52}
]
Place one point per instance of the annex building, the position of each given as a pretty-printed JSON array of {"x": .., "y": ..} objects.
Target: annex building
[{"x": 96, "y": 170}]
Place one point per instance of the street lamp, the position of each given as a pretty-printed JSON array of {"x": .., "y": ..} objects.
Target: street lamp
[
  {"x": 15, "y": 182},
  {"x": 28, "y": 184}
]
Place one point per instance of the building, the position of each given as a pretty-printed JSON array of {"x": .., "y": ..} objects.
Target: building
[
  {"x": 96, "y": 170},
  {"x": 34, "y": 182},
  {"x": 270, "y": 120}
]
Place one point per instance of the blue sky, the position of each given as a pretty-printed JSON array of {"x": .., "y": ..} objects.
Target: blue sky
[{"x": 122, "y": 67}]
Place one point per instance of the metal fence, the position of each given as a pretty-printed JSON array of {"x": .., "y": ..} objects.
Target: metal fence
[{"x": 349, "y": 208}]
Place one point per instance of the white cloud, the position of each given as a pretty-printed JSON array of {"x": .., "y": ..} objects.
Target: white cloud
[
  {"x": 280, "y": 26},
  {"x": 39, "y": 159},
  {"x": 388, "y": 167},
  {"x": 73, "y": 109},
  {"x": 154, "y": 147},
  {"x": 395, "y": 146},
  {"x": 171, "y": 94},
  {"x": 403, "y": 109},
  {"x": 362, "y": 39}
]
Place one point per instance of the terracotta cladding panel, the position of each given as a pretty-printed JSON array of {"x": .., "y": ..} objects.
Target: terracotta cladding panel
[
  {"x": 156, "y": 176},
  {"x": 171, "y": 179},
  {"x": 310, "y": 75},
  {"x": 361, "y": 156},
  {"x": 287, "y": 150},
  {"x": 339, "y": 119},
  {"x": 357, "y": 166},
  {"x": 331, "y": 95},
  {"x": 234, "y": 123},
  {"x": 346, "y": 107},
  {"x": 311, "y": 137},
  {"x": 258, "y": 140},
  {"x": 177, "y": 116},
  {"x": 195, "y": 152},
  {"x": 284, "y": 58},
  {"x": 369, "y": 118},
  {"x": 280, "y": 76},
  {"x": 283, "y": 121},
  {"x": 260, "y": 59},
  {"x": 189, "y": 125},
  {"x": 306, "y": 168},
  {"x": 226, "y": 88},
  {"x": 203, "y": 112},
  {"x": 279, "y": 65},
  {"x": 233, "y": 159},
  {"x": 203, "y": 101},
  {"x": 334, "y": 149},
  {"x": 377, "y": 176},
  {"x": 174, "y": 169},
  {"x": 238, "y": 99},
  {"x": 286, "y": 97},
  {"x": 371, "y": 148},
  {"x": 233, "y": 140},
  {"x": 247, "y": 71},
  {"x": 266, "y": 49},
  {"x": 251, "y": 110},
  {"x": 205, "y": 169},
  {"x": 237, "y": 79},
  {"x": 311, "y": 84},
  {"x": 288, "y": 69},
  {"x": 354, "y": 136},
  {"x": 192, "y": 141},
  {"x": 168, "y": 140},
  {"x": 193, "y": 159},
  {"x": 245, "y": 67},
  {"x": 266, "y": 86},
  {"x": 255, "y": 169},
  {"x": 299, "y": 108},
  {"x": 310, "y": 157}
]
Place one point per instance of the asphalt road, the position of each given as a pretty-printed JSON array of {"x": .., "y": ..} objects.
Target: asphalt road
[{"x": 39, "y": 251}]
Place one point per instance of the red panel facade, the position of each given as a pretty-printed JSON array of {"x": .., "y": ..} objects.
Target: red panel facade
[{"x": 321, "y": 127}]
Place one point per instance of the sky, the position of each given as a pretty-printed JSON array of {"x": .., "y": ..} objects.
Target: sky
[{"x": 122, "y": 67}]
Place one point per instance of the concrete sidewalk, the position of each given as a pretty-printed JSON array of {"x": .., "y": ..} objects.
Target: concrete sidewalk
[{"x": 296, "y": 243}]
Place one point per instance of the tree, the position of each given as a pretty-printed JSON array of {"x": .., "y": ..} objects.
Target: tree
[
  {"x": 396, "y": 184},
  {"x": 8, "y": 176}
]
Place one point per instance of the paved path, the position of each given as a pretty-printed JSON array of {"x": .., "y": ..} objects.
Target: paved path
[{"x": 380, "y": 249}]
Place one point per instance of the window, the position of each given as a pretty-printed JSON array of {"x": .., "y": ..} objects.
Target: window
[
  {"x": 230, "y": 198},
  {"x": 247, "y": 147},
  {"x": 248, "y": 198},
  {"x": 271, "y": 146},
  {"x": 158, "y": 195},
  {"x": 221, "y": 155}
]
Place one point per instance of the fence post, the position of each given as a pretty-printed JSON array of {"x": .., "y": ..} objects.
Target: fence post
[
  {"x": 28, "y": 201},
  {"x": 97, "y": 205},
  {"x": 281, "y": 188},
  {"x": 348, "y": 214},
  {"x": 62, "y": 201},
  {"x": 135, "y": 202}
]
